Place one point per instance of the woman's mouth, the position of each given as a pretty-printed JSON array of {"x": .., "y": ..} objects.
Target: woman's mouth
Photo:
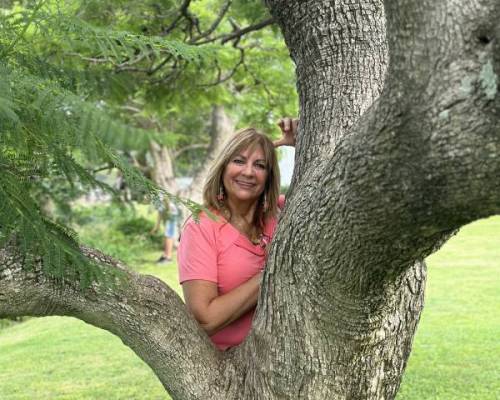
[{"x": 245, "y": 185}]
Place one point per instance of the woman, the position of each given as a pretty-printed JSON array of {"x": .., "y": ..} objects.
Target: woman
[{"x": 220, "y": 262}]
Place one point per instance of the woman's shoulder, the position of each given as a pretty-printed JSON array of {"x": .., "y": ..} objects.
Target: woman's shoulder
[
  {"x": 209, "y": 227},
  {"x": 204, "y": 221}
]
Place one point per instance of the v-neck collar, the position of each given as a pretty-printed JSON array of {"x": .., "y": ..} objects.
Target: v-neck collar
[{"x": 241, "y": 240}]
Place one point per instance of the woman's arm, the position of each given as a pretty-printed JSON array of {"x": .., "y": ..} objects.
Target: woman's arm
[
  {"x": 214, "y": 312},
  {"x": 198, "y": 273},
  {"x": 288, "y": 128}
]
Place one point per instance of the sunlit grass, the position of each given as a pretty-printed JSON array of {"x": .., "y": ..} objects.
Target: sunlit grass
[{"x": 456, "y": 353}]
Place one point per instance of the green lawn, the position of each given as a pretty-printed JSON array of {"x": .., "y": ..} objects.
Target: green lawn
[{"x": 455, "y": 355}]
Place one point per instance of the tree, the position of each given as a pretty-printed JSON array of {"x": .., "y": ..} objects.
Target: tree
[{"x": 398, "y": 147}]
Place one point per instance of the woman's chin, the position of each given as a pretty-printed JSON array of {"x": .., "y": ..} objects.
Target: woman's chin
[{"x": 245, "y": 197}]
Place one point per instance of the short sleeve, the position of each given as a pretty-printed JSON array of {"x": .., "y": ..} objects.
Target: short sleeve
[{"x": 197, "y": 252}]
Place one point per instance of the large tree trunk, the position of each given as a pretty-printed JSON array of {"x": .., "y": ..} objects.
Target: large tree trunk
[
  {"x": 354, "y": 324},
  {"x": 391, "y": 158}
]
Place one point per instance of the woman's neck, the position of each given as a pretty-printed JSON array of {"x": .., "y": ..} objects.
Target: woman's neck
[
  {"x": 241, "y": 216},
  {"x": 242, "y": 211}
]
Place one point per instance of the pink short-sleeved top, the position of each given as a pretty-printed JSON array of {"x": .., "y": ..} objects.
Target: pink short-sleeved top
[{"x": 216, "y": 251}]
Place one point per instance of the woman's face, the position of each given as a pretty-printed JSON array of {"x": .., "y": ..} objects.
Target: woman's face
[{"x": 245, "y": 176}]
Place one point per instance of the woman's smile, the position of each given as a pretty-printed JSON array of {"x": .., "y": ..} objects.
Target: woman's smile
[
  {"x": 245, "y": 175},
  {"x": 245, "y": 185}
]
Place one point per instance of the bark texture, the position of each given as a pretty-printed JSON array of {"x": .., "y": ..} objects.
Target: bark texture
[
  {"x": 399, "y": 142},
  {"x": 378, "y": 186}
]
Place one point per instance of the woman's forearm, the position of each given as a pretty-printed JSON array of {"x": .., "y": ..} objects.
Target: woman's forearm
[
  {"x": 224, "y": 309},
  {"x": 228, "y": 307}
]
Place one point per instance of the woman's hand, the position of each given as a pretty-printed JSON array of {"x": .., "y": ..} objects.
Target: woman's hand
[{"x": 288, "y": 128}]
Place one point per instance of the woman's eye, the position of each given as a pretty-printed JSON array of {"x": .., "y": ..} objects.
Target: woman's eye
[
  {"x": 238, "y": 161},
  {"x": 260, "y": 166}
]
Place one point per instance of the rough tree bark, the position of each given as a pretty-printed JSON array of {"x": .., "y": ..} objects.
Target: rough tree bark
[{"x": 398, "y": 146}]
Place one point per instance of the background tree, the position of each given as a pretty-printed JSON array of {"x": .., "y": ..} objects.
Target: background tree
[{"x": 398, "y": 147}]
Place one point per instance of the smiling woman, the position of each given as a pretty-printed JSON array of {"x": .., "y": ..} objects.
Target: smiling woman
[
  {"x": 245, "y": 176},
  {"x": 220, "y": 262}
]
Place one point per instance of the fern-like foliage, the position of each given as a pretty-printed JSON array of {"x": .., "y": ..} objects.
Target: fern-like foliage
[
  {"x": 51, "y": 129},
  {"x": 51, "y": 24}
]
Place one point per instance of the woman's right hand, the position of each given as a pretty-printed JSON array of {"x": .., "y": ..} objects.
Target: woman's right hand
[{"x": 288, "y": 128}]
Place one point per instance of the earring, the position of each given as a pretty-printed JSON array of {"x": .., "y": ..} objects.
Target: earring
[
  {"x": 265, "y": 205},
  {"x": 220, "y": 196}
]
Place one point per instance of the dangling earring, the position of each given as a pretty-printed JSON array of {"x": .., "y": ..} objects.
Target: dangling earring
[
  {"x": 220, "y": 196},
  {"x": 265, "y": 205}
]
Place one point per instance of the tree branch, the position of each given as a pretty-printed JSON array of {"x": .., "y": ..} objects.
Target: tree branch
[
  {"x": 190, "y": 147},
  {"x": 238, "y": 33},
  {"x": 220, "y": 79},
  {"x": 181, "y": 13},
  {"x": 215, "y": 24},
  {"x": 423, "y": 161},
  {"x": 404, "y": 172},
  {"x": 147, "y": 315},
  {"x": 442, "y": 104}
]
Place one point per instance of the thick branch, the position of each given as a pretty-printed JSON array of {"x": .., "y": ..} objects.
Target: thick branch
[
  {"x": 423, "y": 160},
  {"x": 436, "y": 145},
  {"x": 419, "y": 163},
  {"x": 146, "y": 314},
  {"x": 340, "y": 69}
]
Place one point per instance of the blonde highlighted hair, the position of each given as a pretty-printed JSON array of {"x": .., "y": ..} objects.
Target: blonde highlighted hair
[{"x": 246, "y": 138}]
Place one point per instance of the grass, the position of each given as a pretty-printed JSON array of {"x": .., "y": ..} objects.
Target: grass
[
  {"x": 64, "y": 358},
  {"x": 456, "y": 350}
]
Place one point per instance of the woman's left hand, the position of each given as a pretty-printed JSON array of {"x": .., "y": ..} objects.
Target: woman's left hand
[{"x": 288, "y": 128}]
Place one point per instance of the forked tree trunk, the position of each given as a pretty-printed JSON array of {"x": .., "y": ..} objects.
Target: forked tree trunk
[{"x": 398, "y": 146}]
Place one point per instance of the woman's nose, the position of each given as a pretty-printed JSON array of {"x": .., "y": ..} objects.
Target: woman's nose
[{"x": 248, "y": 170}]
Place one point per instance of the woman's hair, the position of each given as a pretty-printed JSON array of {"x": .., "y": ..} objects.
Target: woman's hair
[{"x": 246, "y": 138}]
